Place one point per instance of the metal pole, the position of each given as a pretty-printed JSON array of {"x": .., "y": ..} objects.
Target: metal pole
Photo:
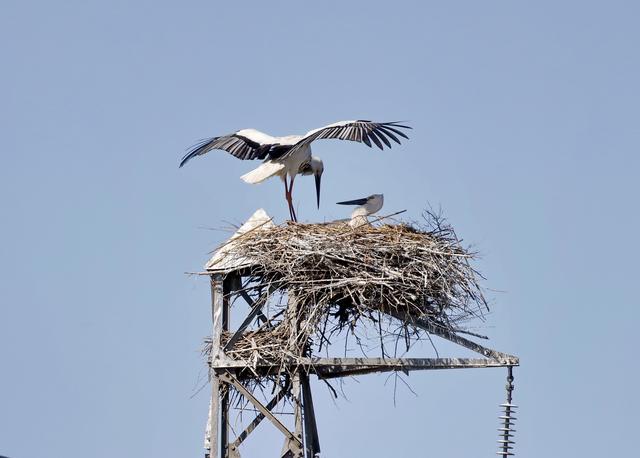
[
  {"x": 312, "y": 441},
  {"x": 211, "y": 441},
  {"x": 224, "y": 414}
]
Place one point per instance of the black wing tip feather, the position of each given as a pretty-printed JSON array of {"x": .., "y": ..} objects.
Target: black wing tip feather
[
  {"x": 389, "y": 123},
  {"x": 383, "y": 131},
  {"x": 185, "y": 159},
  {"x": 362, "y": 131},
  {"x": 197, "y": 149},
  {"x": 395, "y": 127},
  {"x": 397, "y": 124}
]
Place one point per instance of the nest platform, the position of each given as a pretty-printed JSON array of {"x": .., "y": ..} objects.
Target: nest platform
[{"x": 396, "y": 280}]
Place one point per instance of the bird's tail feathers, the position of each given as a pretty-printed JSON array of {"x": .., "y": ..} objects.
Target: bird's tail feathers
[{"x": 266, "y": 170}]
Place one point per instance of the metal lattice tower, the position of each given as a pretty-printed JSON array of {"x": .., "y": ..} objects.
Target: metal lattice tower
[{"x": 302, "y": 439}]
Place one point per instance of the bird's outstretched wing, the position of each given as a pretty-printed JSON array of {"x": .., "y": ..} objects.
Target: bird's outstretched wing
[
  {"x": 357, "y": 131},
  {"x": 244, "y": 144}
]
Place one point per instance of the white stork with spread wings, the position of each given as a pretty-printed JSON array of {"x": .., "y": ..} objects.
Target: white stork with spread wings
[{"x": 291, "y": 155}]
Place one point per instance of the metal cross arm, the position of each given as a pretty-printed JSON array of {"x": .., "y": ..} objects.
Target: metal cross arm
[
  {"x": 323, "y": 366},
  {"x": 343, "y": 367}
]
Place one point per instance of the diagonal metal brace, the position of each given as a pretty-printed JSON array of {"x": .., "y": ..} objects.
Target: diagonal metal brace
[
  {"x": 450, "y": 336},
  {"x": 249, "y": 300},
  {"x": 256, "y": 308},
  {"x": 230, "y": 379},
  {"x": 256, "y": 421}
]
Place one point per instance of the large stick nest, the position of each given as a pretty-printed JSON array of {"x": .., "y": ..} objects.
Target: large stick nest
[{"x": 341, "y": 276}]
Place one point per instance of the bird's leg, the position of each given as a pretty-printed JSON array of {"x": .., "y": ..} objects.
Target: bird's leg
[
  {"x": 293, "y": 210},
  {"x": 287, "y": 195}
]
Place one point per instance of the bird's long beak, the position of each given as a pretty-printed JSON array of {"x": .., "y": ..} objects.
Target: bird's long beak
[
  {"x": 318, "y": 179},
  {"x": 353, "y": 202}
]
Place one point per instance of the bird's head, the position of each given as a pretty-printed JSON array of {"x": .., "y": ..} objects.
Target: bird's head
[
  {"x": 371, "y": 204},
  {"x": 377, "y": 201},
  {"x": 314, "y": 167},
  {"x": 318, "y": 169}
]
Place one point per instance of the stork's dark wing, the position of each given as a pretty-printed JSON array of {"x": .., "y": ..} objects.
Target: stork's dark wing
[
  {"x": 358, "y": 131},
  {"x": 244, "y": 144}
]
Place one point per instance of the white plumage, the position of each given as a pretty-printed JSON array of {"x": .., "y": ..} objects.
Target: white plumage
[
  {"x": 366, "y": 206},
  {"x": 289, "y": 156},
  {"x": 266, "y": 170}
]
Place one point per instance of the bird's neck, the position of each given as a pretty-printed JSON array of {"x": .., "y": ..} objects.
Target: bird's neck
[{"x": 360, "y": 211}]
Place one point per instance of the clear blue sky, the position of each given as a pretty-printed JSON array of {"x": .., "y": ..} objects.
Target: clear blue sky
[{"x": 526, "y": 132}]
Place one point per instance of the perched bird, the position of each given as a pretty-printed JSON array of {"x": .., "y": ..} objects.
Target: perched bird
[
  {"x": 366, "y": 206},
  {"x": 291, "y": 155}
]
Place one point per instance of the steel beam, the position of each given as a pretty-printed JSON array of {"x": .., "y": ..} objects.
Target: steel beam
[
  {"x": 322, "y": 366},
  {"x": 312, "y": 440}
]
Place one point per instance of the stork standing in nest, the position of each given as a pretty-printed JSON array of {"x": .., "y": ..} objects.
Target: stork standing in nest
[
  {"x": 366, "y": 206},
  {"x": 289, "y": 156}
]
